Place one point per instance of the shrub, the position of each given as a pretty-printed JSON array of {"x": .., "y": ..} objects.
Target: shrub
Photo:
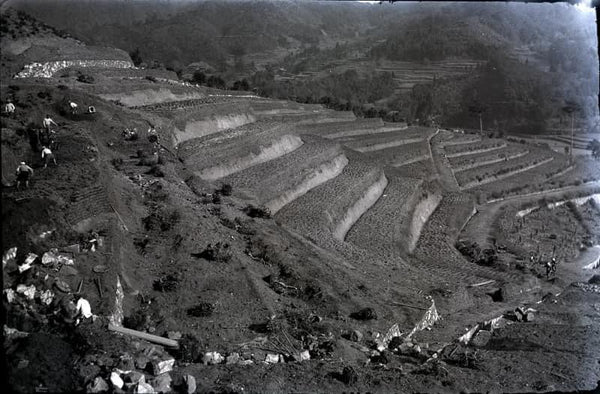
[
  {"x": 226, "y": 189},
  {"x": 85, "y": 78},
  {"x": 162, "y": 219},
  {"x": 257, "y": 212},
  {"x": 220, "y": 252}
]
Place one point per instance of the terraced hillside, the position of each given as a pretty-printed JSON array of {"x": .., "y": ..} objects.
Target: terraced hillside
[{"x": 263, "y": 240}]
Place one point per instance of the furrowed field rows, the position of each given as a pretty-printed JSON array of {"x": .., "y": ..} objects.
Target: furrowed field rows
[
  {"x": 255, "y": 130},
  {"x": 241, "y": 153},
  {"x": 485, "y": 145},
  {"x": 385, "y": 227},
  {"x": 350, "y": 127},
  {"x": 535, "y": 179},
  {"x": 279, "y": 181},
  {"x": 323, "y": 212},
  {"x": 401, "y": 155},
  {"x": 492, "y": 172},
  {"x": 512, "y": 151},
  {"x": 461, "y": 139}
]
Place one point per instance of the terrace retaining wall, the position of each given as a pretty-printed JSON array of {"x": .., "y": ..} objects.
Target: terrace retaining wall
[
  {"x": 279, "y": 147},
  {"x": 370, "y": 197},
  {"x": 49, "y": 69},
  {"x": 421, "y": 214}
]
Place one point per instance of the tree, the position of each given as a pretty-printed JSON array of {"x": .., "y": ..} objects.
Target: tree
[
  {"x": 199, "y": 77},
  {"x": 570, "y": 108},
  {"x": 136, "y": 57},
  {"x": 478, "y": 108}
]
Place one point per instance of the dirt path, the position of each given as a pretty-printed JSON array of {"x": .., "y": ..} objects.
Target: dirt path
[{"x": 442, "y": 166}]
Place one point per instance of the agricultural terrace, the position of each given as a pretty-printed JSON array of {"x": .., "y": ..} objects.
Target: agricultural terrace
[
  {"x": 545, "y": 232},
  {"x": 466, "y": 162},
  {"x": 385, "y": 227},
  {"x": 537, "y": 177},
  {"x": 319, "y": 213},
  {"x": 390, "y": 139},
  {"x": 485, "y": 145},
  {"x": 280, "y": 181},
  {"x": 496, "y": 171},
  {"x": 402, "y": 154}
]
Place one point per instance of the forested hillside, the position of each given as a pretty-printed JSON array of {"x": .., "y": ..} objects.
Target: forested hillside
[{"x": 516, "y": 64}]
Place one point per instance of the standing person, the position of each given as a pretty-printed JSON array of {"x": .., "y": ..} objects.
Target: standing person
[
  {"x": 9, "y": 108},
  {"x": 47, "y": 123},
  {"x": 73, "y": 107},
  {"x": 47, "y": 155},
  {"x": 24, "y": 172}
]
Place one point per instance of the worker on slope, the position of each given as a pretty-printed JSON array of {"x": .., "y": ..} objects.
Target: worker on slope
[
  {"x": 73, "y": 107},
  {"x": 48, "y": 122},
  {"x": 24, "y": 172},
  {"x": 9, "y": 108},
  {"x": 47, "y": 155},
  {"x": 551, "y": 267}
]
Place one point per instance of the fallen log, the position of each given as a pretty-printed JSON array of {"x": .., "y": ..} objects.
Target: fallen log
[{"x": 142, "y": 335}]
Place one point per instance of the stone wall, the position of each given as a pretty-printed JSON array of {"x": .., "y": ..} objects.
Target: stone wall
[{"x": 49, "y": 69}]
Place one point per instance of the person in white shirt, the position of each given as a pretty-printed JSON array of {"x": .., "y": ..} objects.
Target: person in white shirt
[
  {"x": 24, "y": 172},
  {"x": 9, "y": 108},
  {"x": 47, "y": 155},
  {"x": 73, "y": 107},
  {"x": 48, "y": 122}
]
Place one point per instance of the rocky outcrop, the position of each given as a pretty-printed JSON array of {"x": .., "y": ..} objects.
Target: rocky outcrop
[{"x": 49, "y": 69}]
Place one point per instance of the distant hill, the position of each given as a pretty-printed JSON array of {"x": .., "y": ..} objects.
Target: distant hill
[{"x": 541, "y": 55}]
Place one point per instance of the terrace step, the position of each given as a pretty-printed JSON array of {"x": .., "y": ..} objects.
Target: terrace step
[
  {"x": 467, "y": 149},
  {"x": 461, "y": 139},
  {"x": 345, "y": 128},
  {"x": 278, "y": 182},
  {"x": 385, "y": 228},
  {"x": 495, "y": 178},
  {"x": 473, "y": 161},
  {"x": 436, "y": 250},
  {"x": 330, "y": 210},
  {"x": 237, "y": 149}
]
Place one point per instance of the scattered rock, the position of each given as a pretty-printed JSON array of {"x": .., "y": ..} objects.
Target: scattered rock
[
  {"x": 27, "y": 291},
  {"x": 304, "y": 356},
  {"x": 99, "y": 385},
  {"x": 481, "y": 338},
  {"x": 46, "y": 297},
  {"x": 212, "y": 358},
  {"x": 233, "y": 358},
  {"x": 162, "y": 383},
  {"x": 10, "y": 295},
  {"x": 161, "y": 366},
  {"x": 189, "y": 384},
  {"x": 272, "y": 358},
  {"x": 529, "y": 317},
  {"x": 116, "y": 380},
  {"x": 364, "y": 314}
]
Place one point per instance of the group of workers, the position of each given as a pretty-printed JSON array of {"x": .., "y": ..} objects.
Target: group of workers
[
  {"x": 549, "y": 265},
  {"x": 48, "y": 139}
]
